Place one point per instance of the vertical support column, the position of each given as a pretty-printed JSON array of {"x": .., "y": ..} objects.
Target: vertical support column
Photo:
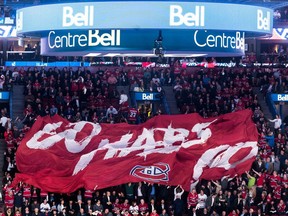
[
  {"x": 258, "y": 49},
  {"x": 4, "y": 49}
]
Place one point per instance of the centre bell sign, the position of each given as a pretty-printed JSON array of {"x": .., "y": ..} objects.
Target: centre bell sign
[
  {"x": 199, "y": 39},
  {"x": 122, "y": 40},
  {"x": 90, "y": 39}
]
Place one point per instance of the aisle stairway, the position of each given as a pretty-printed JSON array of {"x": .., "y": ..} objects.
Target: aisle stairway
[
  {"x": 262, "y": 103},
  {"x": 17, "y": 110},
  {"x": 18, "y": 101},
  {"x": 2, "y": 150},
  {"x": 170, "y": 97}
]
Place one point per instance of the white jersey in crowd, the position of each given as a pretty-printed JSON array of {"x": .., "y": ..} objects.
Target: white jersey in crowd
[
  {"x": 178, "y": 195},
  {"x": 4, "y": 120},
  {"x": 44, "y": 207},
  {"x": 123, "y": 98},
  {"x": 201, "y": 200},
  {"x": 134, "y": 209},
  {"x": 277, "y": 123}
]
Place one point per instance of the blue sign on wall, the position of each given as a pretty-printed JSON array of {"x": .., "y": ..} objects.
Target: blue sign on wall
[
  {"x": 147, "y": 96},
  {"x": 45, "y": 64},
  {"x": 4, "y": 95},
  {"x": 279, "y": 97}
]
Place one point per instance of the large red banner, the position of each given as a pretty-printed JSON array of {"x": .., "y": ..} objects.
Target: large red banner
[{"x": 60, "y": 156}]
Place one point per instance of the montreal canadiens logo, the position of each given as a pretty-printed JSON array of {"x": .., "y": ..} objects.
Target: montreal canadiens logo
[{"x": 156, "y": 172}]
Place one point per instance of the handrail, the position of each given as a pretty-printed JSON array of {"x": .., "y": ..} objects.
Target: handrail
[{"x": 20, "y": 52}]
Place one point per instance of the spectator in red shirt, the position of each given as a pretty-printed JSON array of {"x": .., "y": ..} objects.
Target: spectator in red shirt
[
  {"x": 116, "y": 205},
  {"x": 74, "y": 86},
  {"x": 259, "y": 183},
  {"x": 233, "y": 213},
  {"x": 277, "y": 193},
  {"x": 112, "y": 80},
  {"x": 154, "y": 213},
  {"x": 192, "y": 200},
  {"x": 143, "y": 207},
  {"x": 281, "y": 208},
  {"x": 125, "y": 206},
  {"x": 275, "y": 179},
  {"x": 9, "y": 199}
]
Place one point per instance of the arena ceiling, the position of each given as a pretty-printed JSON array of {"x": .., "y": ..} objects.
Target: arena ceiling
[{"x": 274, "y": 4}]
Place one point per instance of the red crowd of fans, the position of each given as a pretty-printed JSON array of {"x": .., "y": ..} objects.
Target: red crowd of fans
[{"x": 78, "y": 94}]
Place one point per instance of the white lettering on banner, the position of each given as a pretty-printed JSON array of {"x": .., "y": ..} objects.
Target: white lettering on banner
[
  {"x": 221, "y": 40},
  {"x": 94, "y": 38},
  {"x": 68, "y": 135},
  {"x": 222, "y": 160},
  {"x": 79, "y": 19},
  {"x": 147, "y": 96},
  {"x": 263, "y": 22},
  {"x": 282, "y": 98},
  {"x": 177, "y": 18},
  {"x": 144, "y": 142},
  {"x": 85, "y": 159}
]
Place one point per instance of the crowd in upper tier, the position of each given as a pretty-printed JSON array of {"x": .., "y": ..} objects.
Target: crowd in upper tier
[{"x": 78, "y": 94}]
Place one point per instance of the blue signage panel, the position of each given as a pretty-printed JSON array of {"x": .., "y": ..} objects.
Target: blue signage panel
[
  {"x": 95, "y": 40},
  {"x": 279, "y": 97},
  {"x": 280, "y": 34},
  {"x": 44, "y": 64},
  {"x": 145, "y": 15},
  {"x": 7, "y": 20},
  {"x": 147, "y": 96},
  {"x": 4, "y": 95},
  {"x": 7, "y": 31}
]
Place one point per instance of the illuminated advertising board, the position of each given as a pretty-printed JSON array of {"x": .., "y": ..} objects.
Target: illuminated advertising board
[
  {"x": 8, "y": 15},
  {"x": 115, "y": 40},
  {"x": 4, "y": 95},
  {"x": 147, "y": 96},
  {"x": 279, "y": 97},
  {"x": 7, "y": 31},
  {"x": 280, "y": 33},
  {"x": 145, "y": 15},
  {"x": 45, "y": 64},
  {"x": 7, "y": 21}
]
